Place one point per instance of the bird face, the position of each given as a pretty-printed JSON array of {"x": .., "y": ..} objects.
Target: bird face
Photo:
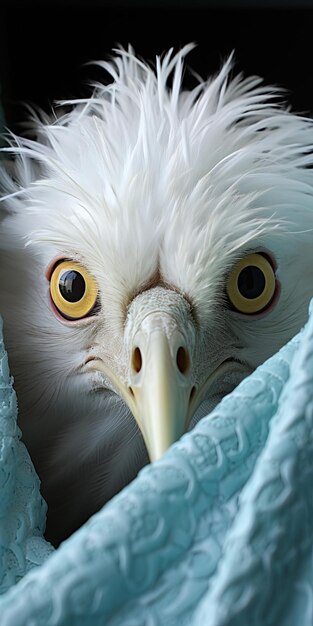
[
  {"x": 152, "y": 255},
  {"x": 155, "y": 362}
]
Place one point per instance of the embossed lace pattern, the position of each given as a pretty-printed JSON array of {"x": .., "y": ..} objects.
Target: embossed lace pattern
[{"x": 216, "y": 533}]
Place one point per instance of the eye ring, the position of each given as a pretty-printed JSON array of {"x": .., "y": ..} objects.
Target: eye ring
[
  {"x": 251, "y": 284},
  {"x": 73, "y": 290}
]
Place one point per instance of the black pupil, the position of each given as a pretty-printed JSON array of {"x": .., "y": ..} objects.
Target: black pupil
[
  {"x": 251, "y": 282},
  {"x": 72, "y": 286}
]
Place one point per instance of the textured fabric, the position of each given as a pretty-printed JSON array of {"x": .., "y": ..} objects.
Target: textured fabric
[{"x": 218, "y": 532}]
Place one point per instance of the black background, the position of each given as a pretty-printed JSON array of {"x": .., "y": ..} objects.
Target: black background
[{"x": 44, "y": 46}]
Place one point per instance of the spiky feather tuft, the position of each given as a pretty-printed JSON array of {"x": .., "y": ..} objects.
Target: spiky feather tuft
[{"x": 187, "y": 173}]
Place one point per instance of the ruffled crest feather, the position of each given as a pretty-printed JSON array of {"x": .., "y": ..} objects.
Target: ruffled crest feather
[{"x": 187, "y": 173}]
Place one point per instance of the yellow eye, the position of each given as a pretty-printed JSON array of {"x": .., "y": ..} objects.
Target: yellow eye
[
  {"x": 73, "y": 290},
  {"x": 251, "y": 284}
]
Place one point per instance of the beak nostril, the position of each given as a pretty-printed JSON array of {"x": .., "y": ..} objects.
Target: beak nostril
[
  {"x": 182, "y": 360},
  {"x": 192, "y": 393},
  {"x": 137, "y": 360}
]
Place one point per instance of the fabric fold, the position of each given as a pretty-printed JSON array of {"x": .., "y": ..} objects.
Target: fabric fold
[{"x": 217, "y": 532}]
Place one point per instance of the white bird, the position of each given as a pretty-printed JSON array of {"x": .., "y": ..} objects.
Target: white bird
[{"x": 156, "y": 247}]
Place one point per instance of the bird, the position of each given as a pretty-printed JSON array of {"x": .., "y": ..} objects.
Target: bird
[{"x": 155, "y": 249}]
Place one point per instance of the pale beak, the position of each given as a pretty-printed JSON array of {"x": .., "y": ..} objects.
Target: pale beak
[
  {"x": 159, "y": 380},
  {"x": 161, "y": 385}
]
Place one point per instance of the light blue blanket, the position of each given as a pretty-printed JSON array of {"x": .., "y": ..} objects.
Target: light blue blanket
[{"x": 216, "y": 533}]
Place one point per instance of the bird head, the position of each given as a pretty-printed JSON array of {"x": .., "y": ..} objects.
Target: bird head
[{"x": 155, "y": 249}]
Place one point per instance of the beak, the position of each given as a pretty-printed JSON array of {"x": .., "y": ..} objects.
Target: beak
[
  {"x": 158, "y": 386},
  {"x": 161, "y": 387}
]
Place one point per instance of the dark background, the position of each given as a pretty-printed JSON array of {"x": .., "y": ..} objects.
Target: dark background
[{"x": 45, "y": 45}]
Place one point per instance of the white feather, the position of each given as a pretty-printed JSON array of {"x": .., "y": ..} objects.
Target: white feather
[{"x": 145, "y": 182}]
